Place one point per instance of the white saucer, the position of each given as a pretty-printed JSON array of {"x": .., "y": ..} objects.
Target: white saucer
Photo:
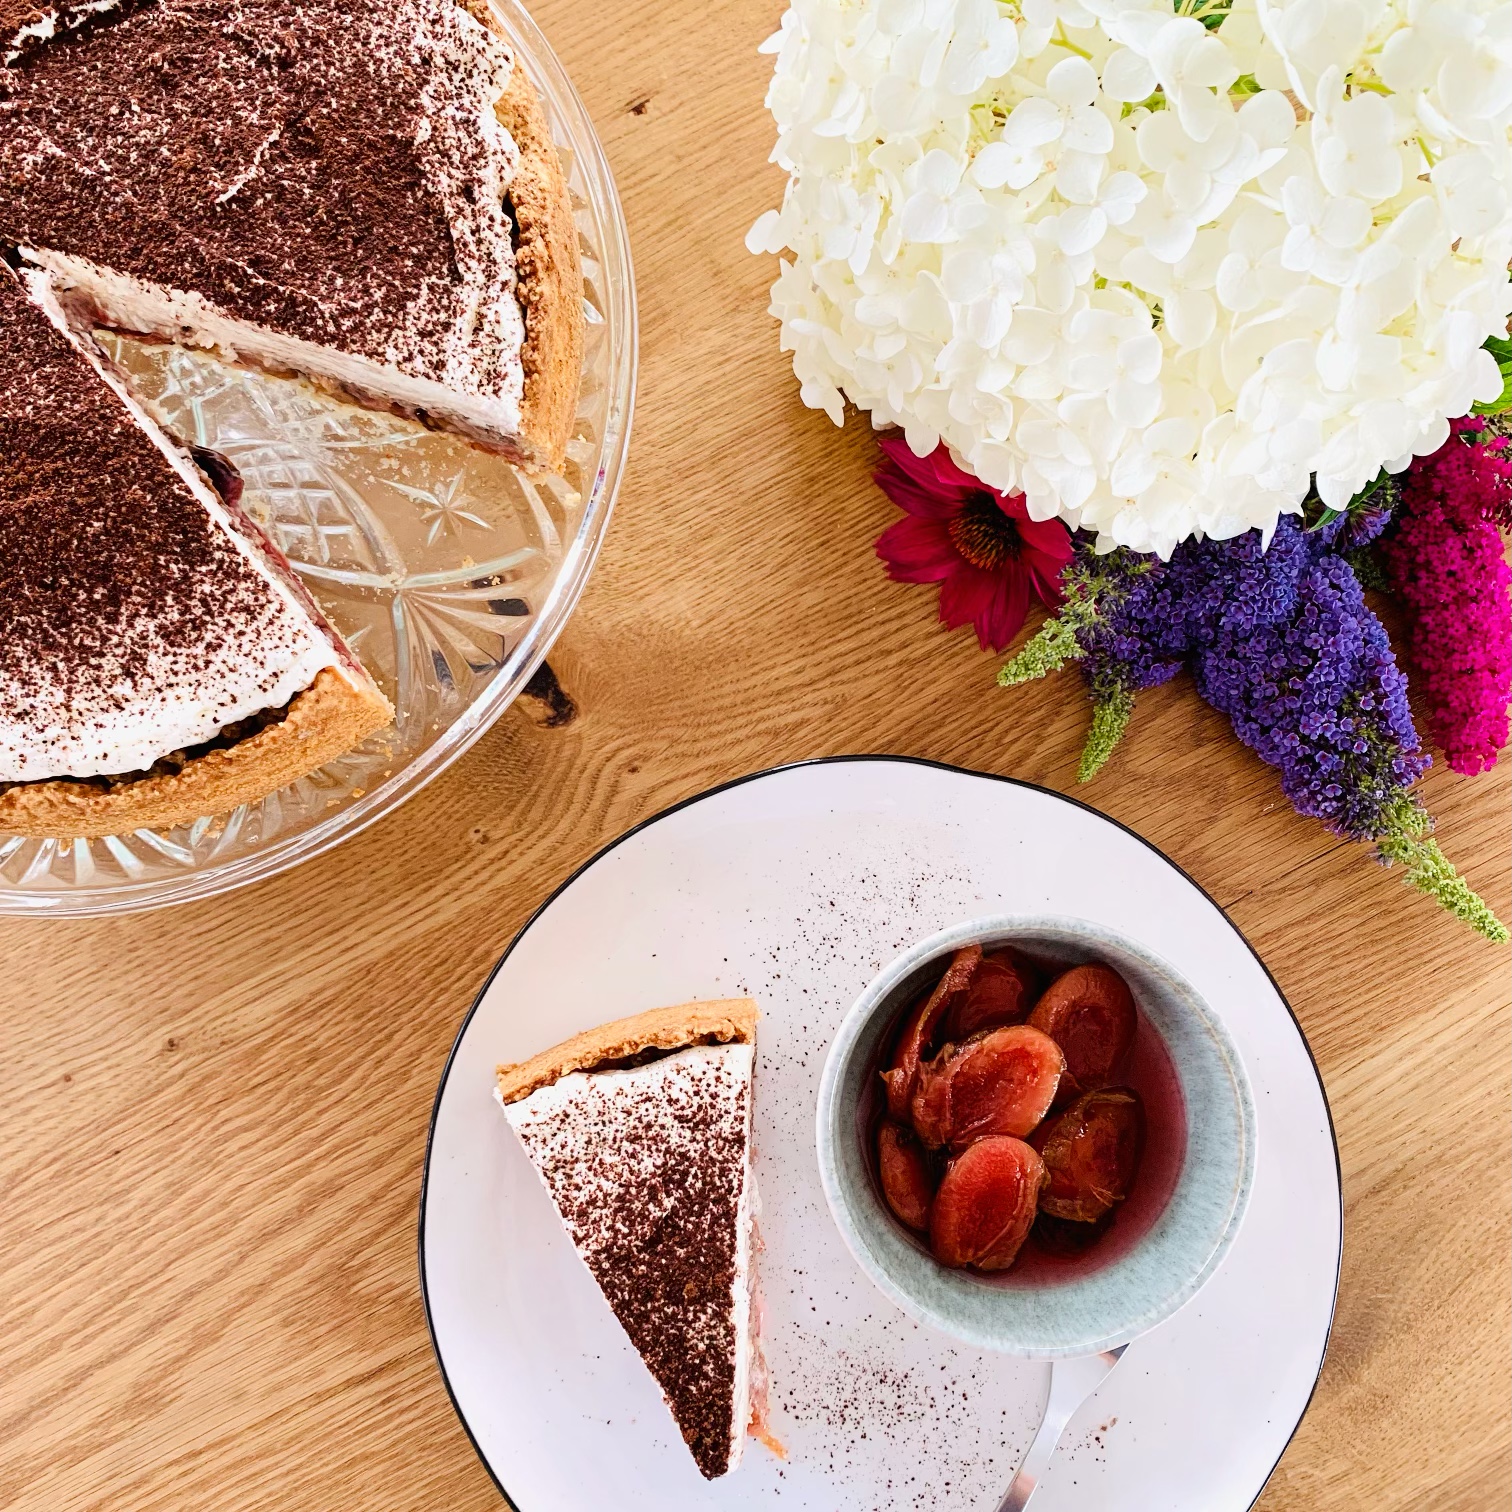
[{"x": 797, "y": 886}]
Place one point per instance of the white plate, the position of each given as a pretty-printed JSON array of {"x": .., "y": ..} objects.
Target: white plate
[{"x": 797, "y": 886}]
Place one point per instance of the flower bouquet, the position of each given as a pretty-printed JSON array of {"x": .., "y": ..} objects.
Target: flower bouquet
[{"x": 1187, "y": 319}]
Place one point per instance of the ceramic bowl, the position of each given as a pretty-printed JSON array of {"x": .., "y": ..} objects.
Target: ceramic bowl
[{"x": 1092, "y": 1309}]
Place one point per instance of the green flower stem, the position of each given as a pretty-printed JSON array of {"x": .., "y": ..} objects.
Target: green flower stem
[
  {"x": 1110, "y": 718},
  {"x": 1406, "y": 841},
  {"x": 1048, "y": 649},
  {"x": 1058, "y": 640},
  {"x": 1090, "y": 583}
]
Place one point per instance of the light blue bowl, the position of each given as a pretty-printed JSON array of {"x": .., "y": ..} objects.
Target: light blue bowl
[{"x": 1132, "y": 1293}]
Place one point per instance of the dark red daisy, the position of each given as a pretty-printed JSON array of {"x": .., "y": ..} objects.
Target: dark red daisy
[{"x": 979, "y": 545}]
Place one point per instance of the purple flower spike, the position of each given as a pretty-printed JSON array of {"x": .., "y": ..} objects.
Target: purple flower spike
[{"x": 1318, "y": 694}]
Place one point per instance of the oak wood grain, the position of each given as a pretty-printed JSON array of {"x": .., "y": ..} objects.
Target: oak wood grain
[{"x": 212, "y": 1119}]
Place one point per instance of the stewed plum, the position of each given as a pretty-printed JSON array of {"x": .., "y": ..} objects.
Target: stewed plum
[
  {"x": 1002, "y": 1082},
  {"x": 1089, "y": 1012},
  {"x": 1002, "y": 1124},
  {"x": 907, "y": 1182},
  {"x": 1091, "y": 1154},
  {"x": 986, "y": 1203},
  {"x": 1002, "y": 991},
  {"x": 918, "y": 1036}
]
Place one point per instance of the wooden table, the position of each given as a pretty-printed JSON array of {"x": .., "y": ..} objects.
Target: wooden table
[{"x": 213, "y": 1118}]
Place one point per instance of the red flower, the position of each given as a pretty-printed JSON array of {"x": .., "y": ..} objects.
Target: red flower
[{"x": 980, "y": 546}]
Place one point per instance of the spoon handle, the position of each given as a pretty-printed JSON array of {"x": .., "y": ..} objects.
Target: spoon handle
[{"x": 1071, "y": 1383}]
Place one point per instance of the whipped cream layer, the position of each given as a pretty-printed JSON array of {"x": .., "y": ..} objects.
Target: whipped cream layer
[
  {"x": 137, "y": 615},
  {"x": 97, "y": 296},
  {"x": 650, "y": 1170},
  {"x": 327, "y": 176}
]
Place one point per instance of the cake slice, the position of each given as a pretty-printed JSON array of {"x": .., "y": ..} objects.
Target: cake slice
[
  {"x": 641, "y": 1132},
  {"x": 158, "y": 659},
  {"x": 361, "y": 192}
]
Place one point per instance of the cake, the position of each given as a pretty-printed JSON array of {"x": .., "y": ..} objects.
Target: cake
[
  {"x": 641, "y": 1132},
  {"x": 158, "y": 660},
  {"x": 361, "y": 192}
]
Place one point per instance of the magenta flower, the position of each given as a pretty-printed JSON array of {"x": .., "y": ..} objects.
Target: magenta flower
[
  {"x": 979, "y": 545},
  {"x": 1445, "y": 559}
]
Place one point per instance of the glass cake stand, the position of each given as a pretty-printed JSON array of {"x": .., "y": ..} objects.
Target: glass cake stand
[{"x": 449, "y": 572}]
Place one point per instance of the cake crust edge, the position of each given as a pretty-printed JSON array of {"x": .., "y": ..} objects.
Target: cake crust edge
[
  {"x": 723, "y": 1021},
  {"x": 548, "y": 274},
  {"x": 332, "y": 715}
]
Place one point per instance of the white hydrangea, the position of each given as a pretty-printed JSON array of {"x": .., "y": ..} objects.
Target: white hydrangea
[{"x": 1156, "y": 266}]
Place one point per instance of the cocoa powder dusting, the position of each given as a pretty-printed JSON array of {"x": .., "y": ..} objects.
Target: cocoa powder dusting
[
  {"x": 111, "y": 572},
  {"x": 315, "y": 167}
]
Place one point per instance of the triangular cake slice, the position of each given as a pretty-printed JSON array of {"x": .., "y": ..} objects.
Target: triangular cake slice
[
  {"x": 361, "y": 192},
  {"x": 641, "y": 1132},
  {"x": 158, "y": 659}
]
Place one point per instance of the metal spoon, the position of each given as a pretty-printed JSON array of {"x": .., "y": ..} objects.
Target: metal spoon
[{"x": 1071, "y": 1383}]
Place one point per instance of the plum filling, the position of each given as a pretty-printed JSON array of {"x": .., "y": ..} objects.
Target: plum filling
[{"x": 222, "y": 473}]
